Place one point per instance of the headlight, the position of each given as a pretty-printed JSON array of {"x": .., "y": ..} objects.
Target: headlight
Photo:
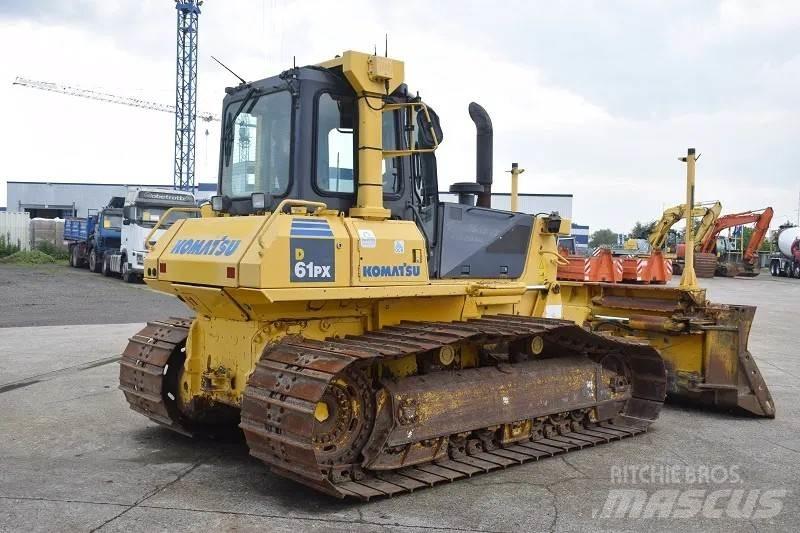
[
  {"x": 552, "y": 223},
  {"x": 259, "y": 201},
  {"x": 217, "y": 203}
]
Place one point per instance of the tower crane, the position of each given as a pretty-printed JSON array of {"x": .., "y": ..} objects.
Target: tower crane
[
  {"x": 92, "y": 94},
  {"x": 186, "y": 92},
  {"x": 185, "y": 108}
]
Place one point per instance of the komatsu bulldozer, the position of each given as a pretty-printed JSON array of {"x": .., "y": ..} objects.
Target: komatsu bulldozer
[{"x": 370, "y": 339}]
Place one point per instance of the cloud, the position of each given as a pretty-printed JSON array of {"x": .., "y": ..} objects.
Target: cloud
[{"x": 594, "y": 99}]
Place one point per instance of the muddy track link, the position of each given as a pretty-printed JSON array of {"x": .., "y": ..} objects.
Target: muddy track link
[
  {"x": 143, "y": 371},
  {"x": 280, "y": 403}
]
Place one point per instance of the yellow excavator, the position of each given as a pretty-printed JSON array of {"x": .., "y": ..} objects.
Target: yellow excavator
[
  {"x": 708, "y": 213},
  {"x": 370, "y": 339}
]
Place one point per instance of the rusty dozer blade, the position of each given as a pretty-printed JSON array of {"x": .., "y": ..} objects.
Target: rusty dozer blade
[
  {"x": 704, "y": 345},
  {"x": 732, "y": 378}
]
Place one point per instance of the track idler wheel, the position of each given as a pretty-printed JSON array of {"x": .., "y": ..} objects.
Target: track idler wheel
[{"x": 343, "y": 419}]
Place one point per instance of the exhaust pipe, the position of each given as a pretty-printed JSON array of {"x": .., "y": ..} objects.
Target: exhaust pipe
[{"x": 484, "y": 151}]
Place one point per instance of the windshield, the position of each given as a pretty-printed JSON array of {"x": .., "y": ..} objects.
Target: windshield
[
  {"x": 112, "y": 222},
  {"x": 256, "y": 145},
  {"x": 147, "y": 216}
]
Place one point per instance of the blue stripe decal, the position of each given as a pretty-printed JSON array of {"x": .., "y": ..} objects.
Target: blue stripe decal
[
  {"x": 309, "y": 221},
  {"x": 306, "y": 227},
  {"x": 317, "y": 231},
  {"x": 310, "y": 233}
]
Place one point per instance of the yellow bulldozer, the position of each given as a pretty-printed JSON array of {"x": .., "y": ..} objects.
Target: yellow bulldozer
[{"x": 370, "y": 339}]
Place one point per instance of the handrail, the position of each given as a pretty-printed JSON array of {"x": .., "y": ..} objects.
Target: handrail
[
  {"x": 560, "y": 259},
  {"x": 163, "y": 217},
  {"x": 321, "y": 206}
]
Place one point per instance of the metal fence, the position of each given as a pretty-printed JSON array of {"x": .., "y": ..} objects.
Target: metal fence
[
  {"x": 15, "y": 229},
  {"x": 50, "y": 230}
]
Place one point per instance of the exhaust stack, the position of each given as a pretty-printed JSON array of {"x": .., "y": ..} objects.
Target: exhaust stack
[{"x": 484, "y": 152}]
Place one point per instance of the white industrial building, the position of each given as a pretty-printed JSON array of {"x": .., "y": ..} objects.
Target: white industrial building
[{"x": 61, "y": 199}]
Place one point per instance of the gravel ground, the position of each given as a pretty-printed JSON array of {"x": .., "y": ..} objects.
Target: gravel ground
[
  {"x": 73, "y": 457},
  {"x": 50, "y": 295}
]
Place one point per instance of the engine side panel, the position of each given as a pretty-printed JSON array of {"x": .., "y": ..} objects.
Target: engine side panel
[{"x": 475, "y": 242}]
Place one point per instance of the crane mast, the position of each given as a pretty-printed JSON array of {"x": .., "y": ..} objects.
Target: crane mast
[
  {"x": 185, "y": 108},
  {"x": 186, "y": 93}
]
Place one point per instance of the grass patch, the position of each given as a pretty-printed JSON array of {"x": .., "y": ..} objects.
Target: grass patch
[
  {"x": 8, "y": 248},
  {"x": 58, "y": 253},
  {"x": 32, "y": 257}
]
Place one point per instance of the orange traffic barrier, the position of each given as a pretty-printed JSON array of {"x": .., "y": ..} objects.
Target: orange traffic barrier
[
  {"x": 654, "y": 268},
  {"x": 603, "y": 266},
  {"x": 600, "y": 266}
]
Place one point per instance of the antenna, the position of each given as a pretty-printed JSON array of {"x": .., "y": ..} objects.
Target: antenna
[
  {"x": 229, "y": 70},
  {"x": 386, "y": 45}
]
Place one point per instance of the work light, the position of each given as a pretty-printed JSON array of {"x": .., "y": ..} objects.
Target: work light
[{"x": 259, "y": 201}]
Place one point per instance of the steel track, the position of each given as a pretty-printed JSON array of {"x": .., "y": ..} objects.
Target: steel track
[{"x": 277, "y": 414}]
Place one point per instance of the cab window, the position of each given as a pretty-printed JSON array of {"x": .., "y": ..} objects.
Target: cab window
[
  {"x": 336, "y": 149},
  {"x": 391, "y": 141},
  {"x": 257, "y": 145}
]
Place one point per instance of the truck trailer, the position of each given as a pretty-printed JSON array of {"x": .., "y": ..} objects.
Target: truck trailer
[{"x": 89, "y": 239}]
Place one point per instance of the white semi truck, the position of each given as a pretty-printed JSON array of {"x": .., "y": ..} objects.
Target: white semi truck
[{"x": 142, "y": 209}]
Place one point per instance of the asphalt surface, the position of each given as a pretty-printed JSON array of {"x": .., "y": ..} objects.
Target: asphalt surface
[
  {"x": 47, "y": 295},
  {"x": 73, "y": 457}
]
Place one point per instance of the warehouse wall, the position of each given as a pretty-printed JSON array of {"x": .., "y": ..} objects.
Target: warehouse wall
[{"x": 56, "y": 199}]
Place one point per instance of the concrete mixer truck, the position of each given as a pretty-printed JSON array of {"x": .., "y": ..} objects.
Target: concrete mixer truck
[{"x": 786, "y": 261}]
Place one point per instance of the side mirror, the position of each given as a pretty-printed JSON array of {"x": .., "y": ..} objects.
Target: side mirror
[
  {"x": 428, "y": 128},
  {"x": 126, "y": 222}
]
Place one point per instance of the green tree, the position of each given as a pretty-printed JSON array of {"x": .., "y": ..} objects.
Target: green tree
[
  {"x": 603, "y": 237},
  {"x": 765, "y": 246},
  {"x": 642, "y": 231}
]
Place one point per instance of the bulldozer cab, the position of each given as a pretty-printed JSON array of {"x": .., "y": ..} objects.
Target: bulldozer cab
[
  {"x": 292, "y": 136},
  {"x": 296, "y": 135}
]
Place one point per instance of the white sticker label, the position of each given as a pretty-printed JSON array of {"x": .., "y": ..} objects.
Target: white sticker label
[
  {"x": 367, "y": 238},
  {"x": 399, "y": 247},
  {"x": 553, "y": 311}
]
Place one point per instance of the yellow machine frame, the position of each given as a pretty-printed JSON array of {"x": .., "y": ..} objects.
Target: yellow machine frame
[{"x": 231, "y": 271}]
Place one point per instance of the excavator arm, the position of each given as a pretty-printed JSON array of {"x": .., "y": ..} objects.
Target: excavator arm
[
  {"x": 659, "y": 234},
  {"x": 761, "y": 219},
  {"x": 707, "y": 222},
  {"x": 709, "y": 214}
]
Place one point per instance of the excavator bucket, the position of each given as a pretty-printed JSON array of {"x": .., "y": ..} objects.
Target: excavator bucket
[{"x": 704, "y": 345}]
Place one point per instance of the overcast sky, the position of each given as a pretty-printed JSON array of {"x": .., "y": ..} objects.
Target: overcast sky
[{"x": 597, "y": 99}]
